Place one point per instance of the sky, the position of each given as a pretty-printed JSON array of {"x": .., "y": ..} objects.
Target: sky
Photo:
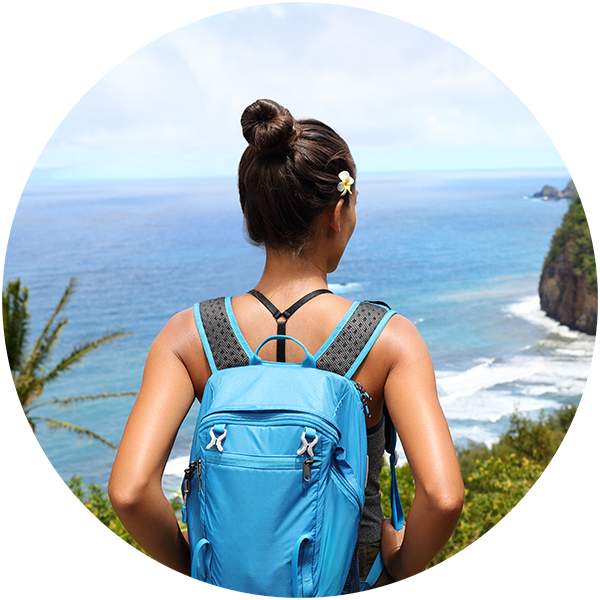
[{"x": 403, "y": 98}]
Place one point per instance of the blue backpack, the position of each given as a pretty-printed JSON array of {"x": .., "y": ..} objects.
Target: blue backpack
[{"x": 274, "y": 491}]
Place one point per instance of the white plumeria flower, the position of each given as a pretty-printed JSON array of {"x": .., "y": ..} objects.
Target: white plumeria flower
[{"x": 346, "y": 182}]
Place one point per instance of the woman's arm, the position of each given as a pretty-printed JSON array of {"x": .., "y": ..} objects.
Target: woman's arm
[
  {"x": 135, "y": 490},
  {"x": 411, "y": 397}
]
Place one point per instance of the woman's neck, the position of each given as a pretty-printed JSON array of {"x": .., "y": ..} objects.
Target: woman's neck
[{"x": 289, "y": 276}]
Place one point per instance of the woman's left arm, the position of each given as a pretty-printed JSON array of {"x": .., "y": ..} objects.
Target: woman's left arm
[
  {"x": 412, "y": 401},
  {"x": 135, "y": 489}
]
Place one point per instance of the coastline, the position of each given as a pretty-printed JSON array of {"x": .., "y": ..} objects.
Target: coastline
[{"x": 451, "y": 252}]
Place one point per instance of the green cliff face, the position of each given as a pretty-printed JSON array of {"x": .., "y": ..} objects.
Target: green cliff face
[{"x": 568, "y": 285}]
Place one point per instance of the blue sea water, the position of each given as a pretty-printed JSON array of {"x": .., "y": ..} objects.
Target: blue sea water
[{"x": 458, "y": 253}]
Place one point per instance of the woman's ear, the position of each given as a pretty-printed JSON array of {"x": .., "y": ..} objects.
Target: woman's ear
[{"x": 335, "y": 216}]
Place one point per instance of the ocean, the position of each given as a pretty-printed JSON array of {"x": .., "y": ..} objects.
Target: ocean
[{"x": 457, "y": 253}]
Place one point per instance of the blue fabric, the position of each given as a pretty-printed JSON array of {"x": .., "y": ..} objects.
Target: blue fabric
[
  {"x": 369, "y": 344},
  {"x": 276, "y": 500},
  {"x": 353, "y": 582},
  {"x": 374, "y": 574},
  {"x": 254, "y": 503},
  {"x": 336, "y": 331},
  {"x": 397, "y": 512}
]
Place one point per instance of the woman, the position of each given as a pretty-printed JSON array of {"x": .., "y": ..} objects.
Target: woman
[{"x": 297, "y": 191}]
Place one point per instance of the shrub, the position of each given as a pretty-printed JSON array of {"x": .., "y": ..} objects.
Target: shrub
[{"x": 495, "y": 478}]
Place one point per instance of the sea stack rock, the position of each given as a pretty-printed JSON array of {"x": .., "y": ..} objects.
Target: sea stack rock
[
  {"x": 549, "y": 192},
  {"x": 568, "y": 286}
]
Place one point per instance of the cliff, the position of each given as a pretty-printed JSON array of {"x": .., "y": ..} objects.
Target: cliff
[{"x": 568, "y": 285}]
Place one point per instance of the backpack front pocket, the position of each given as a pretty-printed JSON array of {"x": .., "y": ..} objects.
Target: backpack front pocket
[{"x": 272, "y": 501}]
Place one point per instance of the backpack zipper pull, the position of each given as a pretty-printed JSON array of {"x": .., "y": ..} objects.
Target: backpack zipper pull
[
  {"x": 364, "y": 398},
  {"x": 187, "y": 479},
  {"x": 306, "y": 469}
]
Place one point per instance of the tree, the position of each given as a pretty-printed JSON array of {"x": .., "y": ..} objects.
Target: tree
[
  {"x": 30, "y": 368},
  {"x": 15, "y": 325}
]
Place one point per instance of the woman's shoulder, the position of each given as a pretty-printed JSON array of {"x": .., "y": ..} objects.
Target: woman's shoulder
[
  {"x": 180, "y": 322},
  {"x": 180, "y": 332},
  {"x": 396, "y": 325},
  {"x": 180, "y": 337},
  {"x": 401, "y": 339}
]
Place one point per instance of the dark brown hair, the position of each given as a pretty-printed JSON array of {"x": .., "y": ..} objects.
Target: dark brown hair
[{"x": 288, "y": 175}]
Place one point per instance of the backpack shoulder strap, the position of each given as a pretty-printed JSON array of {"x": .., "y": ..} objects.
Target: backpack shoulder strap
[
  {"x": 356, "y": 338},
  {"x": 223, "y": 346}
]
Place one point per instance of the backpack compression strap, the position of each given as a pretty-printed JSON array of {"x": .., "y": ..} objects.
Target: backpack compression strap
[{"x": 286, "y": 314}]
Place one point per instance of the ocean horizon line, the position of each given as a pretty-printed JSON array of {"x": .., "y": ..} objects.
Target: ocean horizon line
[{"x": 36, "y": 176}]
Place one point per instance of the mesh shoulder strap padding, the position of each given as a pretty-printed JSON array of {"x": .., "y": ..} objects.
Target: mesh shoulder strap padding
[
  {"x": 225, "y": 348},
  {"x": 349, "y": 343}
]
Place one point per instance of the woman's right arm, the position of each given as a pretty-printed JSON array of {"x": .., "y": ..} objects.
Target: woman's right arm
[
  {"x": 135, "y": 486},
  {"x": 411, "y": 397}
]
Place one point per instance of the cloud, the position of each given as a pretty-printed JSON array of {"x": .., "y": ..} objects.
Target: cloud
[{"x": 174, "y": 106}]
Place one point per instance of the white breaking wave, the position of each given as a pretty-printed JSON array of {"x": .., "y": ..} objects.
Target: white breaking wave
[
  {"x": 342, "y": 288},
  {"x": 475, "y": 432},
  {"x": 525, "y": 374},
  {"x": 176, "y": 466},
  {"x": 539, "y": 376},
  {"x": 529, "y": 310}
]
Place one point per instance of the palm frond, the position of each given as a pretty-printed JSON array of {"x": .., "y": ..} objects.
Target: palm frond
[
  {"x": 15, "y": 321},
  {"x": 79, "y": 353},
  {"x": 33, "y": 383},
  {"x": 31, "y": 372},
  {"x": 81, "y": 431},
  {"x": 59, "y": 307},
  {"x": 42, "y": 353},
  {"x": 65, "y": 402}
]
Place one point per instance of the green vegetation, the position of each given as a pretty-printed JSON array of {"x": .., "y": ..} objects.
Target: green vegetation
[
  {"x": 30, "y": 367},
  {"x": 495, "y": 478},
  {"x": 15, "y": 325},
  {"x": 97, "y": 502},
  {"x": 574, "y": 234}
]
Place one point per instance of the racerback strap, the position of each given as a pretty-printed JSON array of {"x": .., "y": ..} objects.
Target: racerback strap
[{"x": 286, "y": 314}]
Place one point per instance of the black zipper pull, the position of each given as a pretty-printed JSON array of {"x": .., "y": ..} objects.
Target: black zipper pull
[
  {"x": 186, "y": 486},
  {"x": 364, "y": 397},
  {"x": 306, "y": 469},
  {"x": 187, "y": 479}
]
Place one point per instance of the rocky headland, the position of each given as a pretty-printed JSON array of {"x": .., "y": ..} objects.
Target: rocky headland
[
  {"x": 568, "y": 286},
  {"x": 549, "y": 192}
]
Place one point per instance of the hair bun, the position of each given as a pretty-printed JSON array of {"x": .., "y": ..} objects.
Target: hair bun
[{"x": 268, "y": 126}]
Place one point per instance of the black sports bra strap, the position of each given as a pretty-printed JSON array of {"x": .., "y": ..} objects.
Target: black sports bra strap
[
  {"x": 268, "y": 304},
  {"x": 286, "y": 314},
  {"x": 294, "y": 307}
]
